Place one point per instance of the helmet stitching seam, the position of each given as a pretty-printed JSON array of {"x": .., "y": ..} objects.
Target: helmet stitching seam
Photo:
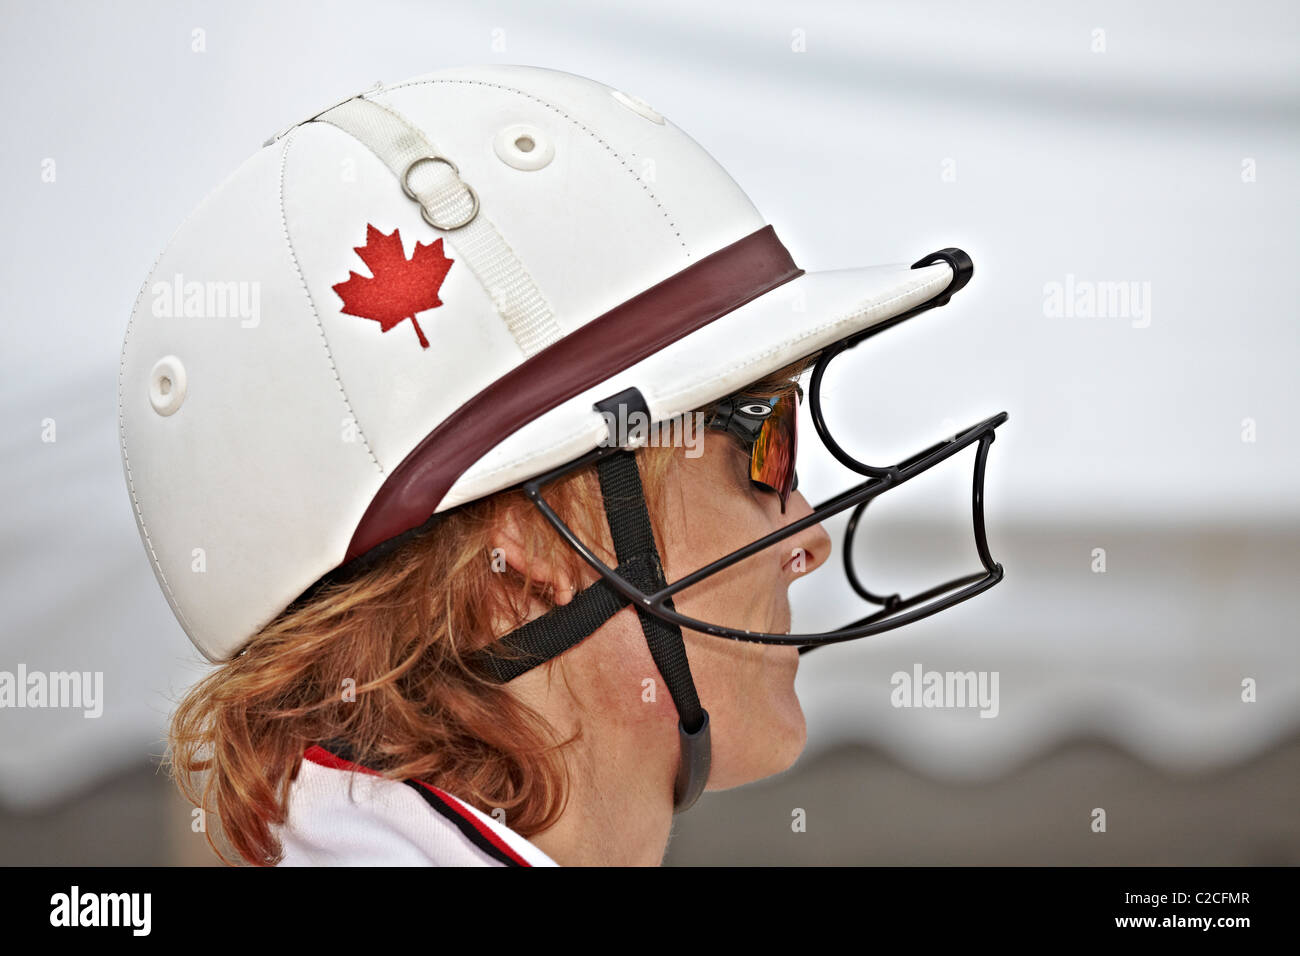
[
  {"x": 172, "y": 599},
  {"x": 320, "y": 328}
]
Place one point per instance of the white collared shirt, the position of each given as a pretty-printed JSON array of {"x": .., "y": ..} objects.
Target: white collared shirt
[{"x": 341, "y": 814}]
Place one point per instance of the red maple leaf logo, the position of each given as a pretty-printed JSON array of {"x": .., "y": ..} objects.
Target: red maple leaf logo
[{"x": 400, "y": 287}]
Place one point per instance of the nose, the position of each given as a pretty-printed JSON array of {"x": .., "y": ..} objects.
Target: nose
[{"x": 810, "y": 548}]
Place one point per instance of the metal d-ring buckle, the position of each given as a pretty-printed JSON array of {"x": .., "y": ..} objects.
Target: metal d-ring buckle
[{"x": 406, "y": 188}]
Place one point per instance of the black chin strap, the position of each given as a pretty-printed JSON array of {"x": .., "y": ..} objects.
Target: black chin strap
[
  {"x": 564, "y": 627},
  {"x": 638, "y": 561}
]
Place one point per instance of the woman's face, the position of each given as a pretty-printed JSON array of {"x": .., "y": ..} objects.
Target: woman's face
[{"x": 712, "y": 508}]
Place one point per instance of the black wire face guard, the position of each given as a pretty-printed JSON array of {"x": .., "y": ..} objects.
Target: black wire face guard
[{"x": 894, "y": 609}]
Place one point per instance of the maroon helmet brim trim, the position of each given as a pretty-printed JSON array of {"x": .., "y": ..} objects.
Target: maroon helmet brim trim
[{"x": 670, "y": 310}]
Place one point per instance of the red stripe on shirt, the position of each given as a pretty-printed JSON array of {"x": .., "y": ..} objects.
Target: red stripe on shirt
[{"x": 319, "y": 755}]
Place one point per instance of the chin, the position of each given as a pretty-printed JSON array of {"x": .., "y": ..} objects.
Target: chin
[
  {"x": 769, "y": 746},
  {"x": 785, "y": 729},
  {"x": 790, "y": 741}
]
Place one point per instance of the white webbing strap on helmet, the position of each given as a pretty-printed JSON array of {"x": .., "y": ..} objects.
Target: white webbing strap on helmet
[{"x": 448, "y": 203}]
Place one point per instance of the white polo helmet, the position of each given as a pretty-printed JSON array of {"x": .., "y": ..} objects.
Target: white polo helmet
[{"x": 416, "y": 298}]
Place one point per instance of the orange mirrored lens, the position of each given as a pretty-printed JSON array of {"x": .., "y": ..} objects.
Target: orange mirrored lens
[{"x": 772, "y": 462}]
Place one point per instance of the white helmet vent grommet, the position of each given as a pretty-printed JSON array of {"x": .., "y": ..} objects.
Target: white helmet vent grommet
[
  {"x": 524, "y": 147},
  {"x": 167, "y": 385},
  {"x": 637, "y": 105}
]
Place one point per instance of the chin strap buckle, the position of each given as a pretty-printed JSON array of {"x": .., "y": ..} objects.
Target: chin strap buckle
[{"x": 693, "y": 765}]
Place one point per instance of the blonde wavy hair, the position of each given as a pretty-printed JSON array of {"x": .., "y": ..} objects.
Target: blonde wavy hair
[{"x": 378, "y": 660}]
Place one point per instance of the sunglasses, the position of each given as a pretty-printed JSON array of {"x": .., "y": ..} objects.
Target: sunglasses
[{"x": 766, "y": 427}]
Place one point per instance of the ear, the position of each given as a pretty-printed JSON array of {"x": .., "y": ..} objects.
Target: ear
[{"x": 513, "y": 537}]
